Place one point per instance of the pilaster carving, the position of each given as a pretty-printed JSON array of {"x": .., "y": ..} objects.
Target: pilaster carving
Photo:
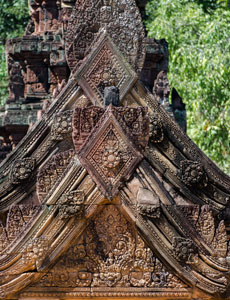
[
  {"x": 71, "y": 204},
  {"x": 21, "y": 170}
]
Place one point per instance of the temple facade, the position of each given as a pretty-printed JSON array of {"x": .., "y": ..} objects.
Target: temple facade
[{"x": 103, "y": 195}]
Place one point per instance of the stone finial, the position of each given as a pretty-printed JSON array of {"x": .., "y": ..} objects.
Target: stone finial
[{"x": 111, "y": 96}]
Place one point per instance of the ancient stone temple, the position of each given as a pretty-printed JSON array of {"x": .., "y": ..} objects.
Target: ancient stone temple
[{"x": 105, "y": 197}]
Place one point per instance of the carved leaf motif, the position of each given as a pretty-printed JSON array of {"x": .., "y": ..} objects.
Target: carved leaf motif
[
  {"x": 3, "y": 238},
  {"x": 15, "y": 222},
  {"x": 84, "y": 120},
  {"x": 220, "y": 240},
  {"x": 51, "y": 172},
  {"x": 110, "y": 254},
  {"x": 122, "y": 21},
  {"x": 205, "y": 225},
  {"x": 17, "y": 218},
  {"x": 191, "y": 212}
]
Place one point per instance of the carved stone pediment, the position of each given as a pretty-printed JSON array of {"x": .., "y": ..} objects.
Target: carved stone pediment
[
  {"x": 104, "y": 66},
  {"x": 109, "y": 257},
  {"x": 111, "y": 151},
  {"x": 122, "y": 21}
]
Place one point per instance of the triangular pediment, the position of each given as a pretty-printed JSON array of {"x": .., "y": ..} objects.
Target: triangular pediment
[
  {"x": 109, "y": 256},
  {"x": 111, "y": 202}
]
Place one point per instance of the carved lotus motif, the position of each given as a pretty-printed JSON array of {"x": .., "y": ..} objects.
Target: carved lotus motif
[
  {"x": 104, "y": 66},
  {"x": 22, "y": 169},
  {"x": 62, "y": 125},
  {"x": 192, "y": 173},
  {"x": 185, "y": 249},
  {"x": 108, "y": 153}
]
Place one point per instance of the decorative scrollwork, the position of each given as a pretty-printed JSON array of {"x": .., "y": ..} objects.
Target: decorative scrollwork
[
  {"x": 108, "y": 142},
  {"x": 122, "y": 20}
]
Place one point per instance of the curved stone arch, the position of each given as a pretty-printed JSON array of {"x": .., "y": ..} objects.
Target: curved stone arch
[{"x": 122, "y": 21}]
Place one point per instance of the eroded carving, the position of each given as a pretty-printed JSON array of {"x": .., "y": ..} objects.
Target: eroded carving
[
  {"x": 156, "y": 131},
  {"x": 192, "y": 173},
  {"x": 21, "y": 170},
  {"x": 62, "y": 125},
  {"x": 71, "y": 204},
  {"x": 34, "y": 251},
  {"x": 185, "y": 250},
  {"x": 148, "y": 204}
]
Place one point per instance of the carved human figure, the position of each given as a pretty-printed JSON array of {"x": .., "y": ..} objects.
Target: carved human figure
[{"x": 106, "y": 11}]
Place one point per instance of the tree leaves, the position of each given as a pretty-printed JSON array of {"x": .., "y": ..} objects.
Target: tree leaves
[
  {"x": 199, "y": 47},
  {"x": 14, "y": 15}
]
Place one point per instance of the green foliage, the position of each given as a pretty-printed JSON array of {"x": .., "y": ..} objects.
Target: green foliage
[
  {"x": 199, "y": 45},
  {"x": 3, "y": 76},
  {"x": 14, "y": 16}
]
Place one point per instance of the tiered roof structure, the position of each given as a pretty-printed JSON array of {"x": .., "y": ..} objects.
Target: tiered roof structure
[{"x": 106, "y": 196}]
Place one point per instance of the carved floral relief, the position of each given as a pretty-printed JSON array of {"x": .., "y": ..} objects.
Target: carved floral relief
[
  {"x": 110, "y": 253},
  {"x": 121, "y": 19},
  {"x": 109, "y": 143}
]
